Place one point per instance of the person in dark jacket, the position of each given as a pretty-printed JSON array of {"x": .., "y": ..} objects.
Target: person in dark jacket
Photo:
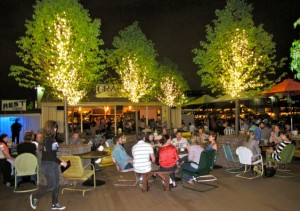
[{"x": 50, "y": 168}]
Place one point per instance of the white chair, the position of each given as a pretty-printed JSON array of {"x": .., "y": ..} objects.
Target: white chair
[
  {"x": 246, "y": 158},
  {"x": 123, "y": 182}
]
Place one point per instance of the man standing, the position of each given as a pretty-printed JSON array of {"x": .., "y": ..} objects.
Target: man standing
[{"x": 15, "y": 131}]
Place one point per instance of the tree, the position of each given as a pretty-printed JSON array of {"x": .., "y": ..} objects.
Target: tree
[
  {"x": 237, "y": 56},
  {"x": 171, "y": 87},
  {"x": 295, "y": 54},
  {"x": 60, "y": 51},
  {"x": 134, "y": 60}
]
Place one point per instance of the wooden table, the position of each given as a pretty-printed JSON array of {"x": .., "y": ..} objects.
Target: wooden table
[{"x": 93, "y": 155}]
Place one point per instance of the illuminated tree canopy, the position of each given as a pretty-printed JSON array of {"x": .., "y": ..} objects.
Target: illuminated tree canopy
[
  {"x": 61, "y": 50},
  {"x": 237, "y": 56},
  {"x": 134, "y": 60},
  {"x": 171, "y": 87},
  {"x": 295, "y": 54}
]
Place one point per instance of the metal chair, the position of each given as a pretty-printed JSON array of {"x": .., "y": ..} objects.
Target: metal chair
[
  {"x": 286, "y": 155},
  {"x": 231, "y": 158},
  {"x": 76, "y": 172},
  {"x": 202, "y": 175},
  {"x": 26, "y": 164},
  {"x": 247, "y": 159},
  {"x": 123, "y": 182}
]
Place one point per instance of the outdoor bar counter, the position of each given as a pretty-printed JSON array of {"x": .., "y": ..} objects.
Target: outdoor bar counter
[{"x": 234, "y": 141}]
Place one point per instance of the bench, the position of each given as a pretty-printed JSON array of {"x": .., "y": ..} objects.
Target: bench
[{"x": 164, "y": 175}]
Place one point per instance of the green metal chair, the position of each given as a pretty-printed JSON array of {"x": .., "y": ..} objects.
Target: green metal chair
[
  {"x": 286, "y": 157},
  {"x": 201, "y": 176}
]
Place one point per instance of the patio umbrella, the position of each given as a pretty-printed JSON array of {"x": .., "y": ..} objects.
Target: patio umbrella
[
  {"x": 287, "y": 88},
  {"x": 227, "y": 97},
  {"x": 201, "y": 100}
]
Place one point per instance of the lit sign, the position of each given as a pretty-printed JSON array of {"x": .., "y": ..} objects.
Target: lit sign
[
  {"x": 13, "y": 105},
  {"x": 107, "y": 90}
]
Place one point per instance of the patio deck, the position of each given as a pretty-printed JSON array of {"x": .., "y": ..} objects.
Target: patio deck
[{"x": 232, "y": 194}]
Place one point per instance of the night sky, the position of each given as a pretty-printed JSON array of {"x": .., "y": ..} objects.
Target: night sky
[{"x": 174, "y": 26}]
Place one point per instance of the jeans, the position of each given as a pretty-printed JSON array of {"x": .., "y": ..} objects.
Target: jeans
[
  {"x": 50, "y": 169},
  {"x": 5, "y": 170},
  {"x": 173, "y": 168},
  {"x": 188, "y": 167}
]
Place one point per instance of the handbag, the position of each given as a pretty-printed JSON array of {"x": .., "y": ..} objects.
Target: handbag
[{"x": 269, "y": 171}]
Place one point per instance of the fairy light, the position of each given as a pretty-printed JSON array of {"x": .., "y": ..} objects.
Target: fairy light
[
  {"x": 135, "y": 80},
  {"x": 171, "y": 94},
  {"x": 64, "y": 68},
  {"x": 240, "y": 64}
]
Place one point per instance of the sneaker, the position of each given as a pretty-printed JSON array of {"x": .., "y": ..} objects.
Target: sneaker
[
  {"x": 57, "y": 207},
  {"x": 33, "y": 202},
  {"x": 8, "y": 184}
]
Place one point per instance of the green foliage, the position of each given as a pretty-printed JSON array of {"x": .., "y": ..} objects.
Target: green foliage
[
  {"x": 60, "y": 50},
  {"x": 134, "y": 60},
  {"x": 219, "y": 58},
  {"x": 171, "y": 87},
  {"x": 295, "y": 54}
]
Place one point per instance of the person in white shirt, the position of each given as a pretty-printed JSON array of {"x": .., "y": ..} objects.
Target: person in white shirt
[
  {"x": 143, "y": 156},
  {"x": 179, "y": 142},
  {"x": 192, "y": 128}
]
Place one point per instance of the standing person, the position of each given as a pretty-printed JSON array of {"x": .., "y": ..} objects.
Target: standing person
[
  {"x": 50, "y": 168},
  {"x": 5, "y": 165},
  {"x": 15, "y": 131},
  {"x": 168, "y": 158}
]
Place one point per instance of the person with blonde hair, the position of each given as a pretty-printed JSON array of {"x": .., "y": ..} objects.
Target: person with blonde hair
[{"x": 194, "y": 154}]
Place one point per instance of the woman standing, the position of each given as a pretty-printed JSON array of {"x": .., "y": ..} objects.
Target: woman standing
[
  {"x": 50, "y": 168},
  {"x": 168, "y": 158},
  {"x": 5, "y": 165}
]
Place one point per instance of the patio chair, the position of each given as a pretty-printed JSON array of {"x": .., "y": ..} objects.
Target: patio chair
[
  {"x": 26, "y": 164},
  {"x": 247, "y": 159},
  {"x": 123, "y": 182},
  {"x": 201, "y": 176},
  {"x": 286, "y": 157},
  {"x": 78, "y": 172},
  {"x": 231, "y": 158}
]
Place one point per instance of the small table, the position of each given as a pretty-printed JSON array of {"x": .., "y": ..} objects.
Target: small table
[{"x": 93, "y": 155}]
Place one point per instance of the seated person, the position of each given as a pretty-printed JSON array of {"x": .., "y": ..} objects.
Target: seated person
[
  {"x": 75, "y": 139},
  {"x": 275, "y": 135},
  {"x": 252, "y": 143},
  {"x": 275, "y": 154},
  {"x": 27, "y": 147},
  {"x": 212, "y": 138},
  {"x": 124, "y": 161},
  {"x": 195, "y": 151},
  {"x": 168, "y": 158},
  {"x": 203, "y": 137},
  {"x": 141, "y": 153},
  {"x": 179, "y": 142}
]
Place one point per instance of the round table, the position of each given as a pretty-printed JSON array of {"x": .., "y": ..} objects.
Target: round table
[{"x": 93, "y": 155}]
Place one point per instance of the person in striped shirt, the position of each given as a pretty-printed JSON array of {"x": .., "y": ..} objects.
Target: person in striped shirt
[{"x": 275, "y": 154}]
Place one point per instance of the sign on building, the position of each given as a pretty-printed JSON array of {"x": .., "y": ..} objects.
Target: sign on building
[
  {"x": 13, "y": 105},
  {"x": 106, "y": 90}
]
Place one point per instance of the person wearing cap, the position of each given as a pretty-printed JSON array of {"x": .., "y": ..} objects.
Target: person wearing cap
[{"x": 123, "y": 160}]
